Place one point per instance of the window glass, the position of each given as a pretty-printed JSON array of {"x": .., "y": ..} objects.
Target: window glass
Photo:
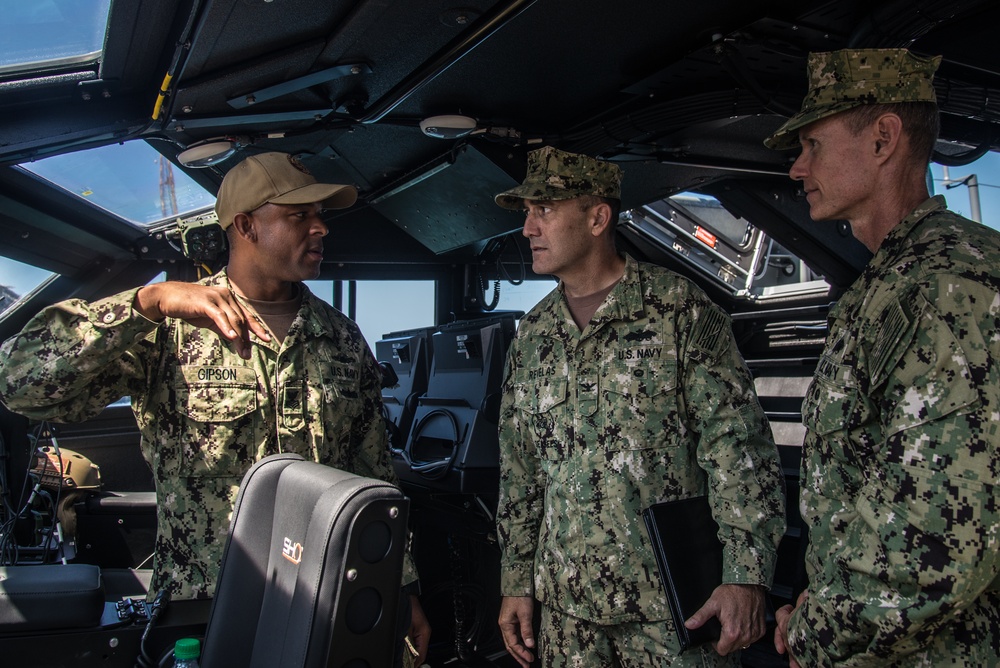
[
  {"x": 18, "y": 280},
  {"x": 524, "y": 296},
  {"x": 714, "y": 219},
  {"x": 697, "y": 231},
  {"x": 131, "y": 180},
  {"x": 386, "y": 306},
  {"x": 40, "y": 35},
  {"x": 968, "y": 196}
]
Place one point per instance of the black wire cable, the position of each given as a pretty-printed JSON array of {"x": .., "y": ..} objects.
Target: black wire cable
[
  {"x": 520, "y": 256},
  {"x": 434, "y": 469},
  {"x": 53, "y": 526},
  {"x": 9, "y": 549},
  {"x": 492, "y": 304},
  {"x": 155, "y": 610}
]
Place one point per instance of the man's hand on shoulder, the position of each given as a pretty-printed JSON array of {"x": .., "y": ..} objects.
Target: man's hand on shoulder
[
  {"x": 210, "y": 307},
  {"x": 740, "y": 609}
]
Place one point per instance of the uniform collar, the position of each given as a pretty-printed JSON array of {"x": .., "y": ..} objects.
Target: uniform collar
[
  {"x": 316, "y": 317},
  {"x": 895, "y": 240},
  {"x": 624, "y": 302}
]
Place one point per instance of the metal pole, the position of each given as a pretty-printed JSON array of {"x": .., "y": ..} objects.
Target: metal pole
[
  {"x": 975, "y": 212},
  {"x": 972, "y": 183}
]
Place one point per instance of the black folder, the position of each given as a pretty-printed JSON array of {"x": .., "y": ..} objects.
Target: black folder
[{"x": 688, "y": 553}]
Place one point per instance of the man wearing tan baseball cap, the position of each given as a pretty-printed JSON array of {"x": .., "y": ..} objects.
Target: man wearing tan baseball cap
[
  {"x": 901, "y": 454},
  {"x": 243, "y": 364},
  {"x": 275, "y": 178}
]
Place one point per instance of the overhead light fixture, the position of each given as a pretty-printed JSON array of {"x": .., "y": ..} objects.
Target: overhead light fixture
[
  {"x": 447, "y": 126},
  {"x": 207, "y": 153}
]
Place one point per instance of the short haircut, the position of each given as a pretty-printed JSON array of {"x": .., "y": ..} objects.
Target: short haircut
[
  {"x": 588, "y": 201},
  {"x": 921, "y": 123}
]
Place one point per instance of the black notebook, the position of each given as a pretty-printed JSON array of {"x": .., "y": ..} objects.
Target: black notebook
[{"x": 689, "y": 557}]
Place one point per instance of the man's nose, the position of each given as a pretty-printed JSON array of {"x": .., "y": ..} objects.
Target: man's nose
[
  {"x": 319, "y": 227},
  {"x": 530, "y": 228},
  {"x": 799, "y": 169}
]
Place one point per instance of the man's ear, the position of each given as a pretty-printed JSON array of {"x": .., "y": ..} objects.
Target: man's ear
[
  {"x": 888, "y": 131},
  {"x": 243, "y": 225},
  {"x": 602, "y": 217}
]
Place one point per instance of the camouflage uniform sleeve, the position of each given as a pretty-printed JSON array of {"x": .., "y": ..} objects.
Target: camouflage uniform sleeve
[
  {"x": 735, "y": 447},
  {"x": 74, "y": 358},
  {"x": 921, "y": 545},
  {"x": 519, "y": 513}
]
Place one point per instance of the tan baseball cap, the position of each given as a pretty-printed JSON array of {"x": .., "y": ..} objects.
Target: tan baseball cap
[
  {"x": 557, "y": 175},
  {"x": 841, "y": 80},
  {"x": 278, "y": 178}
]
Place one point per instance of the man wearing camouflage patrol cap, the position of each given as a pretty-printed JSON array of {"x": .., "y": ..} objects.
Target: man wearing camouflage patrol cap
[
  {"x": 902, "y": 452},
  {"x": 223, "y": 372},
  {"x": 623, "y": 388}
]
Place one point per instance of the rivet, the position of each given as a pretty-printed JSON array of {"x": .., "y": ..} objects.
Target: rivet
[{"x": 352, "y": 575}]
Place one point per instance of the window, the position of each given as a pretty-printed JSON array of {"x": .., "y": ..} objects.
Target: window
[
  {"x": 967, "y": 197},
  {"x": 44, "y": 35},
  {"x": 697, "y": 230},
  {"x": 130, "y": 180},
  {"x": 18, "y": 280},
  {"x": 524, "y": 296},
  {"x": 386, "y": 306}
]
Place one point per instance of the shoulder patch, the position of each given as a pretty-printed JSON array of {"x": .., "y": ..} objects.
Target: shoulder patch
[
  {"x": 890, "y": 328},
  {"x": 709, "y": 334}
]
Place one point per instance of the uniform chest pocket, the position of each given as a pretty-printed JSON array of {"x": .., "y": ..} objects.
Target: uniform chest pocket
[
  {"x": 543, "y": 406},
  {"x": 641, "y": 406},
  {"x": 339, "y": 402},
  {"x": 217, "y": 402},
  {"x": 828, "y": 406},
  {"x": 219, "y": 437}
]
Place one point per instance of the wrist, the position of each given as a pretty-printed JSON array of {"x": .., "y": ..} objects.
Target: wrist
[{"x": 145, "y": 303}]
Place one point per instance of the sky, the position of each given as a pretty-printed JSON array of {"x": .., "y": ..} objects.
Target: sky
[{"x": 987, "y": 171}]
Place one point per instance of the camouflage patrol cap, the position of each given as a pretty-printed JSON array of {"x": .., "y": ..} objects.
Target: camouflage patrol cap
[
  {"x": 555, "y": 175},
  {"x": 277, "y": 178},
  {"x": 841, "y": 80}
]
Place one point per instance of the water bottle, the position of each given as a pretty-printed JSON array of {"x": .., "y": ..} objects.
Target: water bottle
[{"x": 186, "y": 653}]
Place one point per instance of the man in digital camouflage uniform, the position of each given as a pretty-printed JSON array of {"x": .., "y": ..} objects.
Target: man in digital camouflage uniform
[
  {"x": 623, "y": 388},
  {"x": 241, "y": 365},
  {"x": 900, "y": 462}
]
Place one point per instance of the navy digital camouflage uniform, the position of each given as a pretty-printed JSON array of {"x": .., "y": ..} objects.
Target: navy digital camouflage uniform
[
  {"x": 650, "y": 402},
  {"x": 901, "y": 463},
  {"x": 205, "y": 414}
]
